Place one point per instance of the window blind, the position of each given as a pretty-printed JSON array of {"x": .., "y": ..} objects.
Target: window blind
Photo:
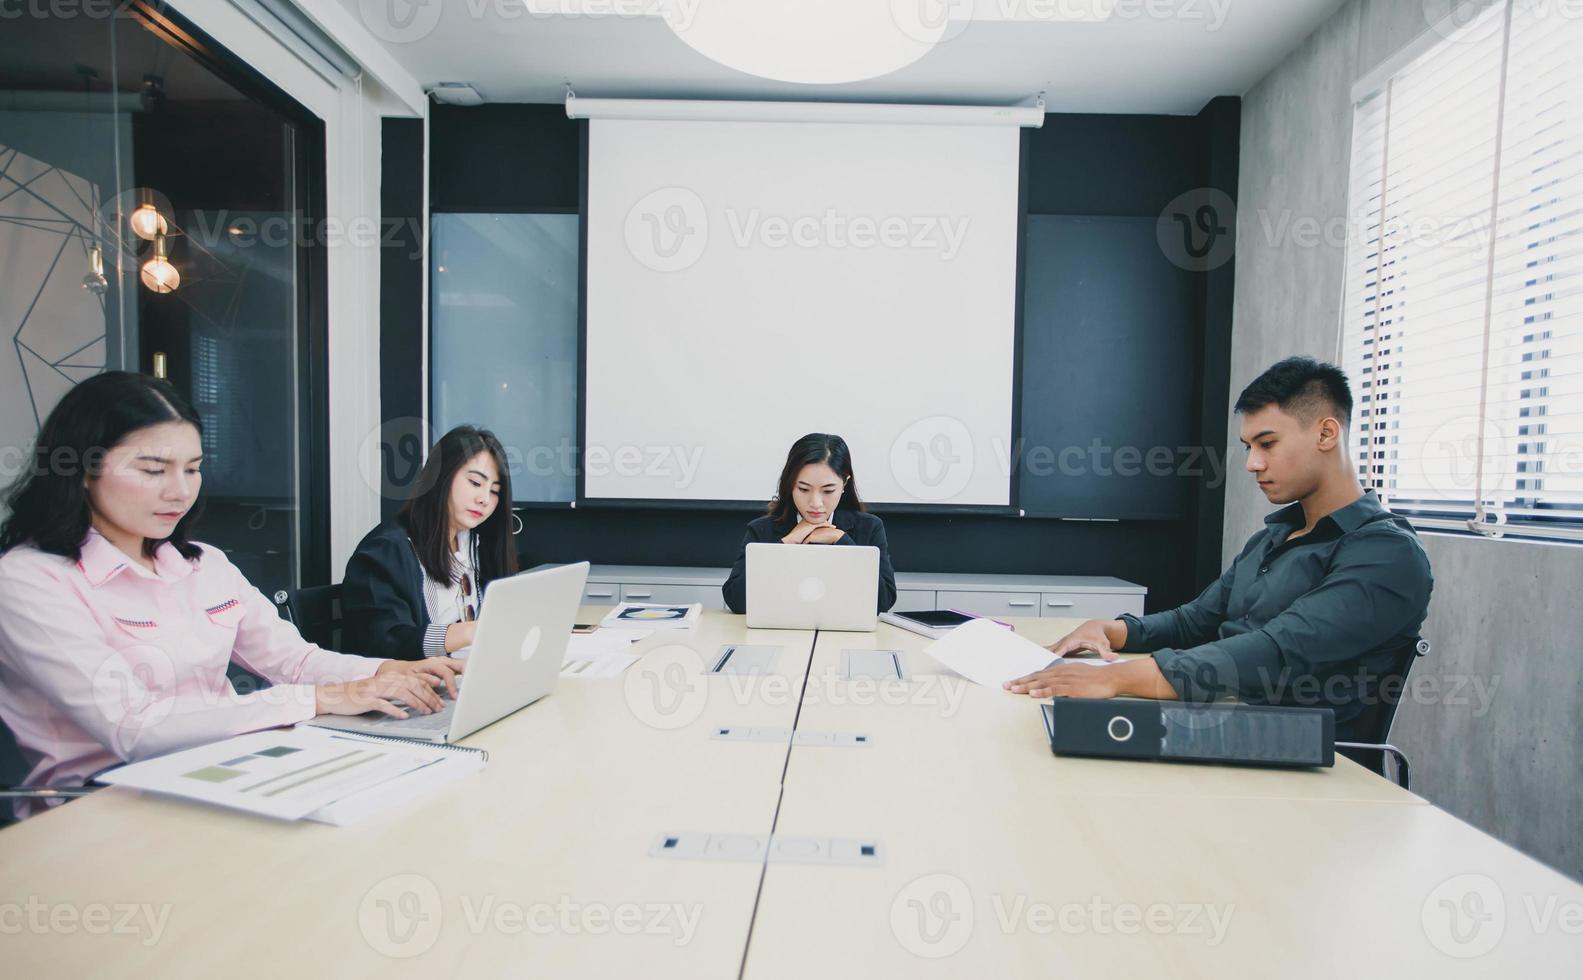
[{"x": 1462, "y": 322}]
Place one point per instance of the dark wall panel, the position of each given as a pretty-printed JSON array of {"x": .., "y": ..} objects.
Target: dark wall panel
[
  {"x": 525, "y": 158},
  {"x": 401, "y": 323},
  {"x": 1112, "y": 165},
  {"x": 502, "y": 158},
  {"x": 1108, "y": 325}
]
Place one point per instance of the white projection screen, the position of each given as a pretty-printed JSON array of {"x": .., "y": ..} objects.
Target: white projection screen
[{"x": 749, "y": 282}]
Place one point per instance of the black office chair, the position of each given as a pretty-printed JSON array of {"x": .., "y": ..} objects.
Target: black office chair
[
  {"x": 1378, "y": 717},
  {"x": 13, "y": 770},
  {"x": 315, "y": 611}
]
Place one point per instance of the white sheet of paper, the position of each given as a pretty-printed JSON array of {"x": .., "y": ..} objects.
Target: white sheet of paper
[
  {"x": 397, "y": 793},
  {"x": 598, "y": 645},
  {"x": 602, "y": 653},
  {"x": 630, "y": 635},
  {"x": 605, "y": 666},
  {"x": 989, "y": 654}
]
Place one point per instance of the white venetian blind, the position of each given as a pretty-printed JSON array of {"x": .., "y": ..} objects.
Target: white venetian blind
[{"x": 1463, "y": 319}]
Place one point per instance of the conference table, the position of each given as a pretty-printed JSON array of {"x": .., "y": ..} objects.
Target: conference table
[{"x": 676, "y": 822}]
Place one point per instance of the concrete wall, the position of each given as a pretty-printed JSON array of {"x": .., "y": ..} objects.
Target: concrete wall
[{"x": 1493, "y": 724}]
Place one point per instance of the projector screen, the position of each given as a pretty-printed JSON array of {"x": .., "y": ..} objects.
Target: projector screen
[{"x": 750, "y": 282}]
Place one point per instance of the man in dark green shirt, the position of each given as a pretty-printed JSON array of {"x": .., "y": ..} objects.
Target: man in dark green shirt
[{"x": 1321, "y": 603}]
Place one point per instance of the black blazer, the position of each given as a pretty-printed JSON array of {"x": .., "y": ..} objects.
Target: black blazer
[
  {"x": 382, "y": 609},
  {"x": 861, "y": 528}
]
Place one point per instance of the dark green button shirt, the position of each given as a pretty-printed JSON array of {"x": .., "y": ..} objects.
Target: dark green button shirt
[{"x": 1312, "y": 622}]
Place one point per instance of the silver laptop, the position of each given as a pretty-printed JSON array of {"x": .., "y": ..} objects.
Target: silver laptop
[
  {"x": 516, "y": 658},
  {"x": 813, "y": 587}
]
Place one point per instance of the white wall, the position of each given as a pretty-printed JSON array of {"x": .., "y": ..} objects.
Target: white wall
[{"x": 41, "y": 296}]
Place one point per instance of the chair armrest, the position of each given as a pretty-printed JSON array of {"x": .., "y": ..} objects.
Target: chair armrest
[
  {"x": 1403, "y": 770},
  {"x": 44, "y": 792}
]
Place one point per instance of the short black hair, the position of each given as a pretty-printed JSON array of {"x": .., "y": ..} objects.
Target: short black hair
[{"x": 1302, "y": 386}]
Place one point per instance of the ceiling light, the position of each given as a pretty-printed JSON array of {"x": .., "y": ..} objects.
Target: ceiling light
[
  {"x": 147, "y": 223},
  {"x": 94, "y": 281},
  {"x": 822, "y": 42},
  {"x": 158, "y": 274}
]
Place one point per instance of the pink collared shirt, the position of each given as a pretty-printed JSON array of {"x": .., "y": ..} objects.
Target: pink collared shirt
[{"x": 103, "y": 661}]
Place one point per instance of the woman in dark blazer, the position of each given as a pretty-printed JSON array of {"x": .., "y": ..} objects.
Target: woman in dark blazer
[
  {"x": 415, "y": 584},
  {"x": 816, "y": 503}
]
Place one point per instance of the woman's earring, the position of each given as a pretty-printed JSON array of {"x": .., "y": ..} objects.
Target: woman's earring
[{"x": 516, "y": 523}]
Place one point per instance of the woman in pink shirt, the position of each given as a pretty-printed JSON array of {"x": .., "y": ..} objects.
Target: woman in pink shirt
[{"x": 116, "y": 629}]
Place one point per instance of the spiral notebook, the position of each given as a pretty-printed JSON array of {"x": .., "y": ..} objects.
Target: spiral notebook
[{"x": 304, "y": 773}]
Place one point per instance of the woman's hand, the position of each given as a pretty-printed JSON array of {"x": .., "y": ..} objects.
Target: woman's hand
[
  {"x": 799, "y": 534},
  {"x": 439, "y": 671},
  {"x": 390, "y": 683},
  {"x": 459, "y": 636},
  {"x": 825, "y": 534}
]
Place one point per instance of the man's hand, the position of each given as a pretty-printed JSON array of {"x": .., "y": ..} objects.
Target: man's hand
[
  {"x": 1068, "y": 681},
  {"x": 1139, "y": 678},
  {"x": 1100, "y": 636}
]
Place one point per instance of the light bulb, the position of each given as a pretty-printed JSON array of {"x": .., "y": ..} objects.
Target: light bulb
[
  {"x": 158, "y": 274},
  {"x": 94, "y": 281},
  {"x": 147, "y": 222}
]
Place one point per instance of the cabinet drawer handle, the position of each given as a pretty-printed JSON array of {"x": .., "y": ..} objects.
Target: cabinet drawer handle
[
  {"x": 1019, "y": 604},
  {"x": 601, "y": 595},
  {"x": 639, "y": 595},
  {"x": 1059, "y": 605}
]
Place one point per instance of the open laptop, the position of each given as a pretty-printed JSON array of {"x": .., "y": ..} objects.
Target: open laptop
[
  {"x": 516, "y": 659},
  {"x": 809, "y": 587}
]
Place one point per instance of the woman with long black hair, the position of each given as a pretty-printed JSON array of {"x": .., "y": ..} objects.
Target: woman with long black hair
[
  {"x": 116, "y": 628},
  {"x": 415, "y": 584},
  {"x": 816, "y": 502}
]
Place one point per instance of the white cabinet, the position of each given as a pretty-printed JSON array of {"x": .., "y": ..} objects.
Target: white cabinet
[
  {"x": 1058, "y": 596},
  {"x": 914, "y": 600},
  {"x": 1088, "y": 605},
  {"x": 1054, "y": 596},
  {"x": 991, "y": 603},
  {"x": 680, "y": 595}
]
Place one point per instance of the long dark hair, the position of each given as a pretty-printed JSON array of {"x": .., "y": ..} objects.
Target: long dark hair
[
  {"x": 816, "y": 447},
  {"x": 49, "y": 500},
  {"x": 427, "y": 513}
]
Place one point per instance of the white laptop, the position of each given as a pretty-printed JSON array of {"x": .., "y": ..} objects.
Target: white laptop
[
  {"x": 813, "y": 587},
  {"x": 516, "y": 658}
]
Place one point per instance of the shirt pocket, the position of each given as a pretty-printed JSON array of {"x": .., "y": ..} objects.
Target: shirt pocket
[
  {"x": 137, "y": 625},
  {"x": 226, "y": 615}
]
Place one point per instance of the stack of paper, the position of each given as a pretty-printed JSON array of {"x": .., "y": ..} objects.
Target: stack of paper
[{"x": 306, "y": 772}]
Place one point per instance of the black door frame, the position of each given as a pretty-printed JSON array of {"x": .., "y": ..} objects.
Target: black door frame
[{"x": 309, "y": 180}]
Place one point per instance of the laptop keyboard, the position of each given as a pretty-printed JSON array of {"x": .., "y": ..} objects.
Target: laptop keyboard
[{"x": 438, "y": 723}]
